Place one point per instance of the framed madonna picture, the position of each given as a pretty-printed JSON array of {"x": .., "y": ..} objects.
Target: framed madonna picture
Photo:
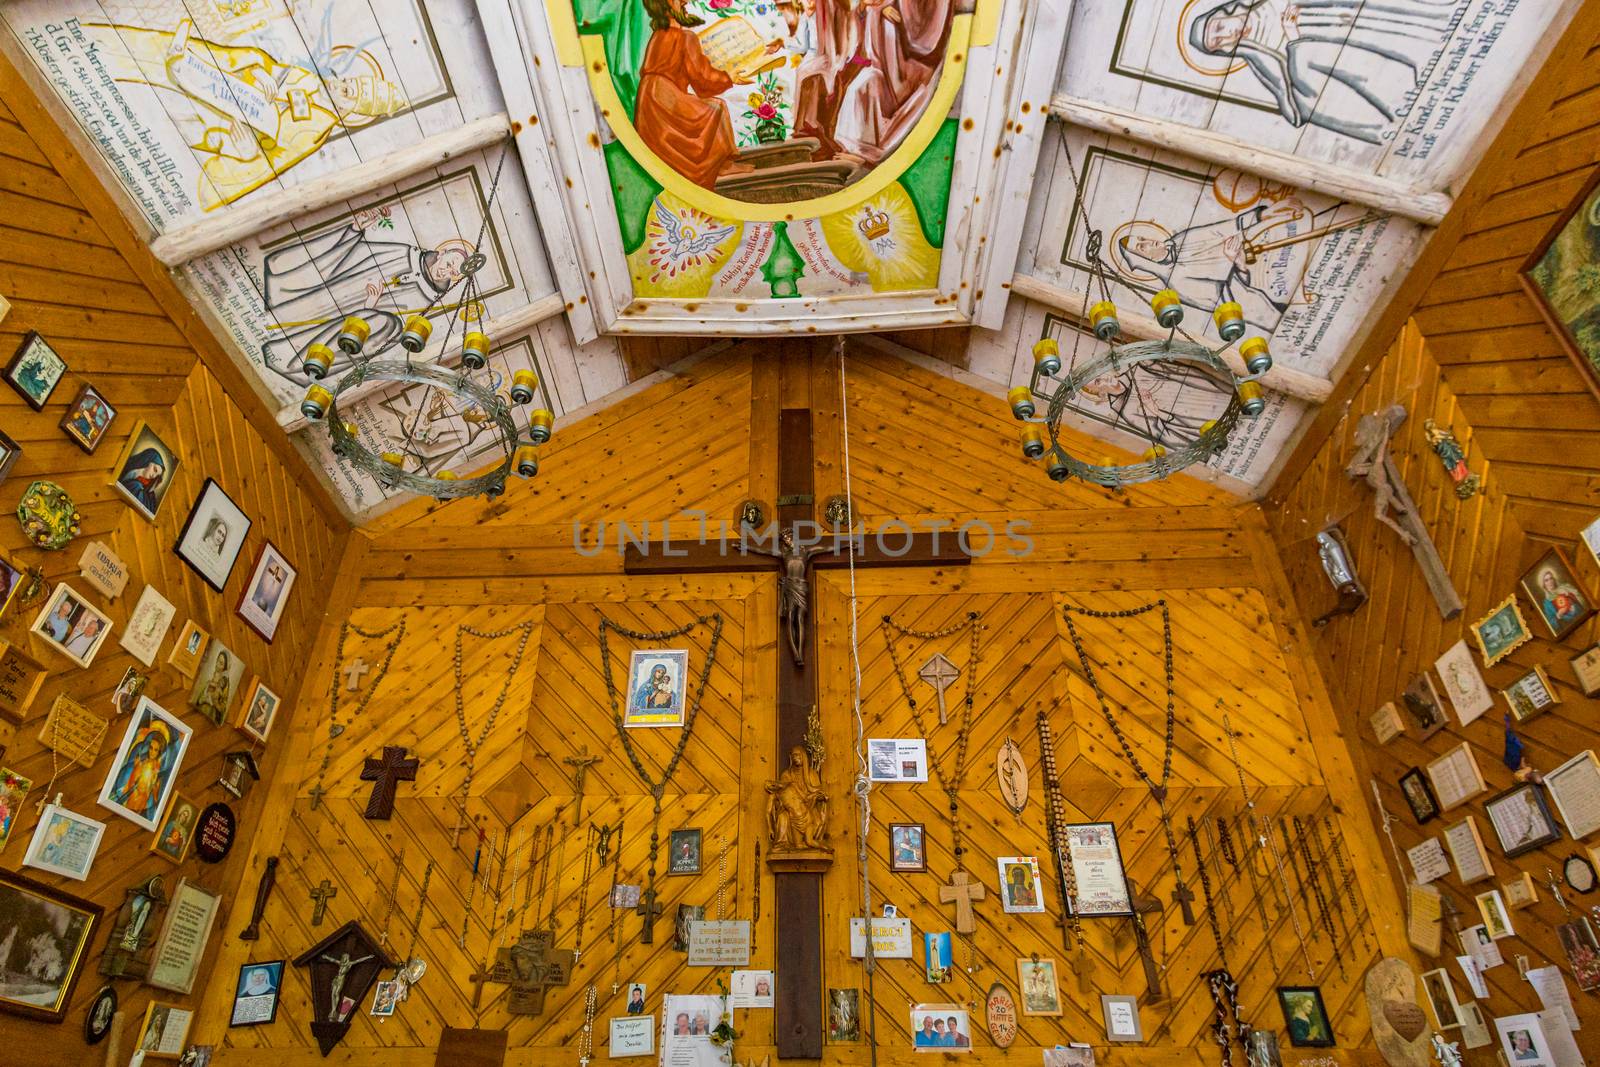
[
  {"x": 212, "y": 535},
  {"x": 145, "y": 471},
  {"x": 1555, "y": 594},
  {"x": 146, "y": 768}
]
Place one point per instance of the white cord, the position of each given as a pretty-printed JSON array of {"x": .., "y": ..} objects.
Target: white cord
[{"x": 863, "y": 783}]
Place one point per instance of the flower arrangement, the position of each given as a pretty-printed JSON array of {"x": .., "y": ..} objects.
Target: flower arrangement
[
  {"x": 724, "y": 1033},
  {"x": 768, "y": 110}
]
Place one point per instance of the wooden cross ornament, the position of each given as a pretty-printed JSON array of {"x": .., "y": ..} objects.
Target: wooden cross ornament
[
  {"x": 320, "y": 896},
  {"x": 386, "y": 773},
  {"x": 939, "y": 673},
  {"x": 962, "y": 892},
  {"x": 353, "y": 673}
]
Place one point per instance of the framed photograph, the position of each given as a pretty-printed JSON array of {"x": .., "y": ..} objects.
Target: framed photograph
[
  {"x": 10, "y": 452},
  {"x": 844, "y": 1016},
  {"x": 88, "y": 418},
  {"x": 1523, "y": 1039},
  {"x": 1121, "y": 1014},
  {"x": 1521, "y": 819},
  {"x": 940, "y": 1028},
  {"x": 64, "y": 843},
  {"x": 1551, "y": 588},
  {"x": 657, "y": 679},
  {"x": 176, "y": 832},
  {"x": 255, "y": 994},
  {"x": 1521, "y": 892},
  {"x": 1575, "y": 787},
  {"x": 1419, "y": 795},
  {"x": 1531, "y": 695},
  {"x": 45, "y": 935},
  {"x": 1455, "y": 776},
  {"x": 35, "y": 370},
  {"x": 102, "y": 1013},
  {"x": 145, "y": 471},
  {"x": 187, "y": 650},
  {"x": 1036, "y": 978},
  {"x": 216, "y": 682},
  {"x": 185, "y": 932},
  {"x": 1020, "y": 889},
  {"x": 125, "y": 697},
  {"x": 13, "y": 787},
  {"x": 1555, "y": 278},
  {"x": 1096, "y": 860},
  {"x": 260, "y": 708},
  {"x": 1496, "y": 918},
  {"x": 1387, "y": 723},
  {"x": 1500, "y": 632},
  {"x": 1463, "y": 683},
  {"x": 164, "y": 1032},
  {"x": 938, "y": 957},
  {"x": 1442, "y": 998},
  {"x": 266, "y": 594},
  {"x": 907, "y": 847},
  {"x": 683, "y": 855},
  {"x": 1305, "y": 1017},
  {"x": 212, "y": 535},
  {"x": 1467, "y": 851},
  {"x": 1421, "y": 702},
  {"x": 72, "y": 626},
  {"x": 142, "y": 776},
  {"x": 1586, "y": 671}
]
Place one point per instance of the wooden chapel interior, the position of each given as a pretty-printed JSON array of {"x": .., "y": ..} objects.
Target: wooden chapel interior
[{"x": 691, "y": 426}]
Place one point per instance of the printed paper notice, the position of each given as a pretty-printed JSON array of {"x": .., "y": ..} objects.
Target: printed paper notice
[
  {"x": 633, "y": 1035},
  {"x": 1429, "y": 860},
  {"x": 1424, "y": 907},
  {"x": 898, "y": 759},
  {"x": 1474, "y": 973},
  {"x": 1553, "y": 994}
]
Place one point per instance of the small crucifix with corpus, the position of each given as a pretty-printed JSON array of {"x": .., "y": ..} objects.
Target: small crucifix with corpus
[{"x": 320, "y": 896}]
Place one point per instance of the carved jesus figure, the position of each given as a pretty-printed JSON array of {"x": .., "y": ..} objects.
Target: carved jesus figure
[
  {"x": 344, "y": 963},
  {"x": 794, "y": 592},
  {"x": 1370, "y": 464},
  {"x": 796, "y": 806}
]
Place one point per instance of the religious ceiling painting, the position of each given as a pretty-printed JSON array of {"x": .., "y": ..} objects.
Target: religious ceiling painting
[
  {"x": 194, "y": 106},
  {"x": 1401, "y": 89},
  {"x": 1307, "y": 270},
  {"x": 756, "y": 151}
]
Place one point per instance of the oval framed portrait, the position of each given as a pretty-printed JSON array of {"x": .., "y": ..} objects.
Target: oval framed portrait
[{"x": 101, "y": 1015}]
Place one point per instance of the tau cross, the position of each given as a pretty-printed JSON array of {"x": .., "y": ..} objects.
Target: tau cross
[
  {"x": 386, "y": 773},
  {"x": 320, "y": 895},
  {"x": 939, "y": 673},
  {"x": 580, "y": 766},
  {"x": 1142, "y": 906},
  {"x": 647, "y": 909},
  {"x": 353, "y": 673},
  {"x": 962, "y": 892}
]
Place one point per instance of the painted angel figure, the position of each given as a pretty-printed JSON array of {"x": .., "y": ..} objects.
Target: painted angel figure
[{"x": 1448, "y": 1052}]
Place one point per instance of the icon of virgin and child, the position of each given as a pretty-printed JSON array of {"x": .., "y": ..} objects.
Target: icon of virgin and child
[{"x": 864, "y": 72}]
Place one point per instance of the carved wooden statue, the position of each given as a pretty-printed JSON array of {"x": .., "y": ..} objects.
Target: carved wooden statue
[
  {"x": 1392, "y": 503},
  {"x": 797, "y": 817}
]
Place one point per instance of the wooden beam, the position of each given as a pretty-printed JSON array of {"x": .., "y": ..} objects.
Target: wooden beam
[
  {"x": 506, "y": 327},
  {"x": 223, "y": 228},
  {"x": 1396, "y": 198},
  {"x": 1071, "y": 302}
]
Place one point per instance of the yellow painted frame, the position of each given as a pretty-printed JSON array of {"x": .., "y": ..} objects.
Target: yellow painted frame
[{"x": 589, "y": 51}]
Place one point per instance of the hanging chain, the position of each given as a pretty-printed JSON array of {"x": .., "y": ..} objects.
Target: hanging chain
[
  {"x": 1225, "y": 837},
  {"x": 611, "y": 900},
  {"x": 1347, "y": 879},
  {"x": 1205, "y": 891},
  {"x": 1300, "y": 882},
  {"x": 589, "y": 854},
  {"x": 1324, "y": 914},
  {"x": 1325, "y": 866},
  {"x": 658, "y": 788},
  {"x": 1056, "y": 829},
  {"x": 335, "y": 727},
  {"x": 1157, "y": 789},
  {"x": 416, "y": 921},
  {"x": 722, "y": 882},
  {"x": 472, "y": 746},
  {"x": 1217, "y": 858},
  {"x": 586, "y": 1037},
  {"x": 1229, "y": 1021},
  {"x": 394, "y": 888}
]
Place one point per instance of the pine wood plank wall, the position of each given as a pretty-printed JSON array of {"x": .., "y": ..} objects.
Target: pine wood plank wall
[
  {"x": 67, "y": 278},
  {"x": 923, "y": 449}
]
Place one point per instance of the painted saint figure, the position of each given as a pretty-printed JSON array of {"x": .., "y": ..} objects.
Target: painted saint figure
[
  {"x": 218, "y": 692},
  {"x": 146, "y": 470},
  {"x": 901, "y": 50},
  {"x": 141, "y": 784},
  {"x": 1344, "y": 65}
]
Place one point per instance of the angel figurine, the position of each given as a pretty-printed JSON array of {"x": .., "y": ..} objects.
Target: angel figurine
[{"x": 1448, "y": 1052}]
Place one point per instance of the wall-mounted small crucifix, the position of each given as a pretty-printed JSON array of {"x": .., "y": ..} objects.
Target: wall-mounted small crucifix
[
  {"x": 320, "y": 896},
  {"x": 353, "y": 673},
  {"x": 647, "y": 909},
  {"x": 580, "y": 765},
  {"x": 386, "y": 773},
  {"x": 939, "y": 673}
]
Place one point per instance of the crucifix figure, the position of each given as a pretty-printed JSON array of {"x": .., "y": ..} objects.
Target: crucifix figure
[
  {"x": 1142, "y": 906},
  {"x": 320, "y": 896},
  {"x": 794, "y": 591},
  {"x": 353, "y": 673},
  {"x": 580, "y": 766},
  {"x": 344, "y": 963},
  {"x": 963, "y": 892},
  {"x": 1372, "y": 464},
  {"x": 647, "y": 909},
  {"x": 386, "y": 773},
  {"x": 939, "y": 673}
]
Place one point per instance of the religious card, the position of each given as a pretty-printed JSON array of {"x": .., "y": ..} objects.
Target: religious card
[
  {"x": 940, "y": 1028},
  {"x": 626, "y": 896},
  {"x": 1463, "y": 683},
  {"x": 216, "y": 682},
  {"x": 142, "y": 776},
  {"x": 176, "y": 834},
  {"x": 13, "y": 787},
  {"x": 1442, "y": 998},
  {"x": 64, "y": 843},
  {"x": 1496, "y": 919},
  {"x": 750, "y": 989},
  {"x": 938, "y": 953},
  {"x": 255, "y": 995},
  {"x": 187, "y": 650},
  {"x": 1474, "y": 1031},
  {"x": 1562, "y": 605},
  {"x": 1041, "y": 993},
  {"x": 687, "y": 915},
  {"x": 907, "y": 847},
  {"x": 632, "y": 1036},
  {"x": 260, "y": 708},
  {"x": 1020, "y": 888},
  {"x": 385, "y": 998},
  {"x": 266, "y": 594},
  {"x": 1476, "y": 942},
  {"x": 125, "y": 697},
  {"x": 683, "y": 851},
  {"x": 164, "y": 1031},
  {"x": 844, "y": 1015},
  {"x": 657, "y": 680}
]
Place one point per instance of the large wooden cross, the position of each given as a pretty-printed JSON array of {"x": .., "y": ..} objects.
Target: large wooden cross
[
  {"x": 798, "y": 1022},
  {"x": 1142, "y": 906},
  {"x": 386, "y": 773},
  {"x": 962, "y": 892}
]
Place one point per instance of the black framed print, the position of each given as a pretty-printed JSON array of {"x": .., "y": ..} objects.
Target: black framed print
[{"x": 212, "y": 535}]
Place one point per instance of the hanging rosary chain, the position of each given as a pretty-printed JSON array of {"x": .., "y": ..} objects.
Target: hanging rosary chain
[
  {"x": 1336, "y": 901},
  {"x": 949, "y": 783},
  {"x": 416, "y": 921},
  {"x": 583, "y": 894},
  {"x": 1323, "y": 914},
  {"x": 1205, "y": 892},
  {"x": 472, "y": 746},
  {"x": 335, "y": 727},
  {"x": 1223, "y": 896},
  {"x": 559, "y": 841},
  {"x": 722, "y": 881},
  {"x": 1347, "y": 879},
  {"x": 394, "y": 888},
  {"x": 1299, "y": 881},
  {"x": 1056, "y": 827},
  {"x": 1229, "y": 1021},
  {"x": 611, "y": 902},
  {"x": 1248, "y": 863}
]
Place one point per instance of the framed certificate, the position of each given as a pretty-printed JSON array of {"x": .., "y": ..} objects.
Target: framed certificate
[
  {"x": 1096, "y": 858},
  {"x": 1456, "y": 777},
  {"x": 1466, "y": 848},
  {"x": 1575, "y": 787}
]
